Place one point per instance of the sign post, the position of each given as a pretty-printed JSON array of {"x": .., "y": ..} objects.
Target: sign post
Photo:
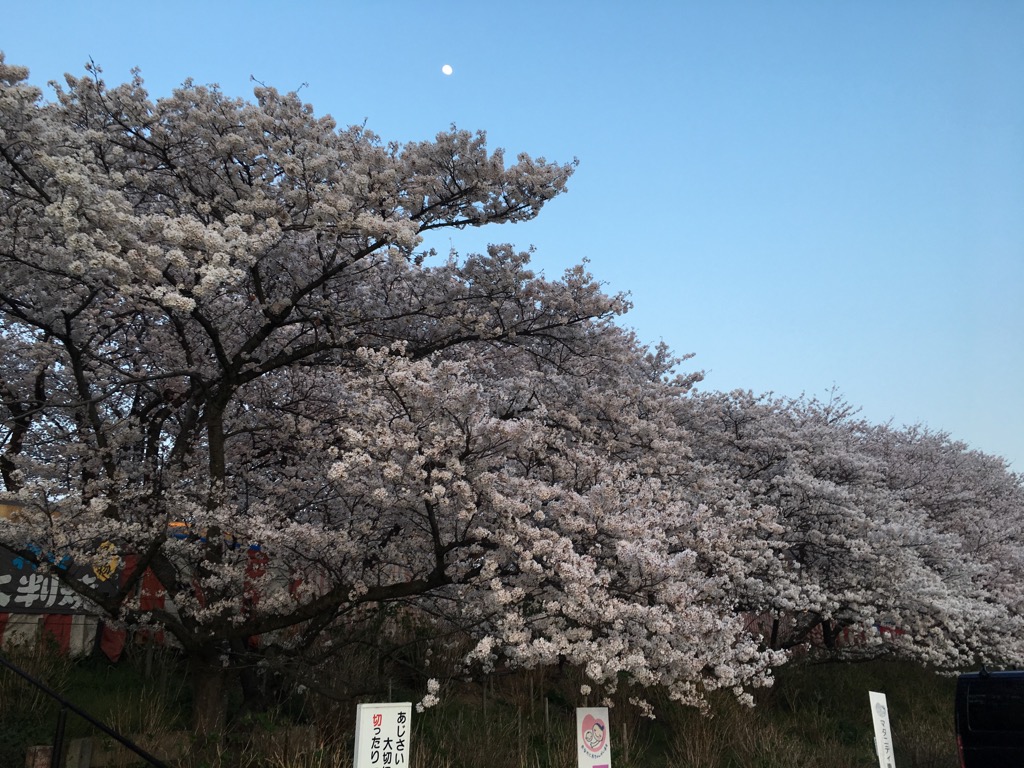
[
  {"x": 594, "y": 747},
  {"x": 382, "y": 735},
  {"x": 883, "y": 733}
]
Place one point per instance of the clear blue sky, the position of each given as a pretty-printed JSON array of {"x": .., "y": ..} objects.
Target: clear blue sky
[{"x": 803, "y": 194}]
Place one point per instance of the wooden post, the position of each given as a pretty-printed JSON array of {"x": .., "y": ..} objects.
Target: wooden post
[
  {"x": 79, "y": 753},
  {"x": 38, "y": 757}
]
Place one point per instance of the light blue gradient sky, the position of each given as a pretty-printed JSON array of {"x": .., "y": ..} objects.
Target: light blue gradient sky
[{"x": 804, "y": 194}]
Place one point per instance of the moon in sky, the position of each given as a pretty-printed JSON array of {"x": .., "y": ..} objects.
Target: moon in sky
[{"x": 447, "y": 69}]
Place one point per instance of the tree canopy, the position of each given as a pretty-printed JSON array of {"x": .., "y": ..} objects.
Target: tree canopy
[{"x": 218, "y": 338}]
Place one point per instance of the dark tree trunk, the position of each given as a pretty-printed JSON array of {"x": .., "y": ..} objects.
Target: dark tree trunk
[
  {"x": 254, "y": 697},
  {"x": 209, "y": 680},
  {"x": 829, "y": 634}
]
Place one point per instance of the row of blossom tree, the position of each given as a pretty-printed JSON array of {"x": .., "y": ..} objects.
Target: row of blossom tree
[{"x": 213, "y": 318}]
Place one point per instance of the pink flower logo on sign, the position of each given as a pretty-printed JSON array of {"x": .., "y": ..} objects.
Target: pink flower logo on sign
[{"x": 594, "y": 733}]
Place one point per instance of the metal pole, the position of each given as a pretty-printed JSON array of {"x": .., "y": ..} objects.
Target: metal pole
[{"x": 58, "y": 738}]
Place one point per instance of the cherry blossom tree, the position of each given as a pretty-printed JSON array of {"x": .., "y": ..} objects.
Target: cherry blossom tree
[
  {"x": 891, "y": 541},
  {"x": 974, "y": 502},
  {"x": 217, "y": 335}
]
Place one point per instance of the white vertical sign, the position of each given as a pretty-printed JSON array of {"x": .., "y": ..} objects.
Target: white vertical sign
[
  {"x": 382, "y": 735},
  {"x": 593, "y": 740},
  {"x": 883, "y": 734}
]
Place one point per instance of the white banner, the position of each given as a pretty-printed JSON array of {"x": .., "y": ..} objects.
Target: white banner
[
  {"x": 382, "y": 735},
  {"x": 593, "y": 740},
  {"x": 883, "y": 734}
]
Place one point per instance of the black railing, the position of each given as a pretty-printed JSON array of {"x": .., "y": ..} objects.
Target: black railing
[{"x": 65, "y": 707}]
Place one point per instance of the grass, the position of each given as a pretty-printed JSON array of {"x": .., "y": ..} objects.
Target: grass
[{"x": 815, "y": 715}]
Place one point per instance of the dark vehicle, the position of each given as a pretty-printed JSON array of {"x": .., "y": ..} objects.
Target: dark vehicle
[{"x": 990, "y": 719}]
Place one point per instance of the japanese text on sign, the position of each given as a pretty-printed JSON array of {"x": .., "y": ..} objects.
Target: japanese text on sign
[{"x": 382, "y": 735}]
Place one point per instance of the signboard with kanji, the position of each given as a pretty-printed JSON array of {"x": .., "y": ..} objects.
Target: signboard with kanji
[
  {"x": 382, "y": 735},
  {"x": 25, "y": 589},
  {"x": 593, "y": 741}
]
